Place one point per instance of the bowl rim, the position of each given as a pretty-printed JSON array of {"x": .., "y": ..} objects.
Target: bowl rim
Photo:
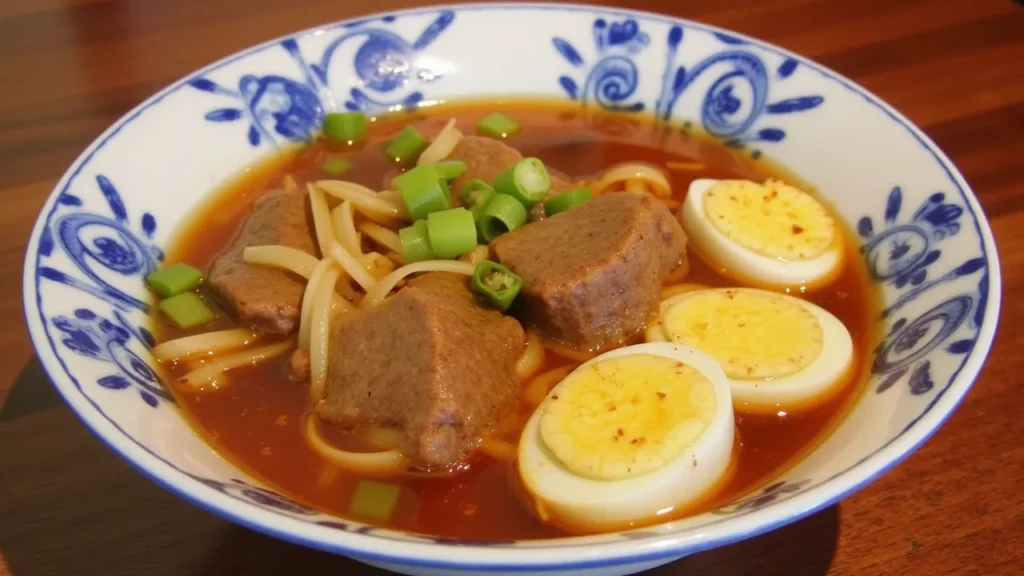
[{"x": 573, "y": 554}]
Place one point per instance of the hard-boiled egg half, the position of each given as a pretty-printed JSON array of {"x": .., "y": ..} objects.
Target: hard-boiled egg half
[
  {"x": 771, "y": 235},
  {"x": 628, "y": 436},
  {"x": 778, "y": 352}
]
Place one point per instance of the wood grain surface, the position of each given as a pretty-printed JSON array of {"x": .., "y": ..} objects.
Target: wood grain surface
[{"x": 69, "y": 68}]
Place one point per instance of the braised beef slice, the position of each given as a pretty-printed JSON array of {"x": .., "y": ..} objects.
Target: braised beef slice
[
  {"x": 267, "y": 299},
  {"x": 485, "y": 158},
  {"x": 592, "y": 275},
  {"x": 430, "y": 361}
]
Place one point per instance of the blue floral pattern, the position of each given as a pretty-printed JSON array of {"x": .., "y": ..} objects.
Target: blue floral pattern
[
  {"x": 293, "y": 110},
  {"x": 90, "y": 242},
  {"x": 259, "y": 496},
  {"x": 902, "y": 254},
  {"x": 114, "y": 246},
  {"x": 103, "y": 247},
  {"x": 732, "y": 106},
  {"x": 724, "y": 113},
  {"x": 271, "y": 104},
  {"x": 613, "y": 78},
  {"x": 89, "y": 335},
  {"x": 385, "y": 63}
]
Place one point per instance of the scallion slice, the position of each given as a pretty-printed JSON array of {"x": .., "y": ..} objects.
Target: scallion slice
[
  {"x": 186, "y": 310},
  {"x": 452, "y": 232},
  {"x": 175, "y": 279},
  {"x": 450, "y": 169},
  {"x": 415, "y": 243},
  {"x": 527, "y": 181},
  {"x": 344, "y": 126},
  {"x": 335, "y": 166},
  {"x": 423, "y": 191},
  {"x": 502, "y": 214},
  {"x": 567, "y": 200},
  {"x": 497, "y": 125},
  {"x": 475, "y": 195},
  {"x": 373, "y": 499},
  {"x": 498, "y": 285},
  {"x": 406, "y": 146}
]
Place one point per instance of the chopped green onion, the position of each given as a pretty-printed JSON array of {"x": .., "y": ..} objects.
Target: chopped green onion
[
  {"x": 452, "y": 232},
  {"x": 423, "y": 191},
  {"x": 475, "y": 195},
  {"x": 415, "y": 243},
  {"x": 503, "y": 214},
  {"x": 186, "y": 310},
  {"x": 175, "y": 279},
  {"x": 498, "y": 285},
  {"x": 450, "y": 169},
  {"x": 335, "y": 166},
  {"x": 374, "y": 499},
  {"x": 406, "y": 146},
  {"x": 344, "y": 126},
  {"x": 527, "y": 181},
  {"x": 566, "y": 200},
  {"x": 497, "y": 125}
]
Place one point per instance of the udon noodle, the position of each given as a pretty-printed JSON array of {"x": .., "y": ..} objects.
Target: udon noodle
[
  {"x": 379, "y": 208},
  {"x": 634, "y": 177},
  {"x": 204, "y": 344},
  {"x": 442, "y": 146},
  {"x": 385, "y": 461},
  {"x": 385, "y": 237},
  {"x": 283, "y": 257},
  {"x": 532, "y": 358},
  {"x": 209, "y": 373}
]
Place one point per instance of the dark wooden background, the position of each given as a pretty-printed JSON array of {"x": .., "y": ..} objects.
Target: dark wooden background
[{"x": 69, "y": 68}]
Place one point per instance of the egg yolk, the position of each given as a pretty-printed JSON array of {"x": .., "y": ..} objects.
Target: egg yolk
[
  {"x": 772, "y": 219},
  {"x": 754, "y": 335},
  {"x": 626, "y": 416}
]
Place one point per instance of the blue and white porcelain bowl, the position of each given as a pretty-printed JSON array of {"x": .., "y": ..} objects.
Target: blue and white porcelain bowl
[{"x": 923, "y": 239}]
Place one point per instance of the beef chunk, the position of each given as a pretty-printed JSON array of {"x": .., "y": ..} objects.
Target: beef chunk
[
  {"x": 430, "y": 361},
  {"x": 267, "y": 299},
  {"x": 485, "y": 158},
  {"x": 592, "y": 274}
]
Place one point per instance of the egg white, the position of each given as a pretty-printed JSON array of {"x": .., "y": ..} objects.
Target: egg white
[
  {"x": 817, "y": 380},
  {"x": 746, "y": 264},
  {"x": 592, "y": 504}
]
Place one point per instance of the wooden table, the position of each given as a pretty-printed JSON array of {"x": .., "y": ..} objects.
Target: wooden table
[{"x": 69, "y": 68}]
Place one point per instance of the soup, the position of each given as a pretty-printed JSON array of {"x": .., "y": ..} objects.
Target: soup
[{"x": 403, "y": 402}]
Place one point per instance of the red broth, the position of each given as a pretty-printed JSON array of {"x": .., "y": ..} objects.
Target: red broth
[{"x": 256, "y": 420}]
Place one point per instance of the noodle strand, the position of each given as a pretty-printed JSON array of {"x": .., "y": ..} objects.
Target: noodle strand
[
  {"x": 211, "y": 372},
  {"x": 532, "y": 357},
  {"x": 365, "y": 200},
  {"x": 320, "y": 333},
  {"x": 446, "y": 141},
  {"x": 283, "y": 257},
  {"x": 203, "y": 344},
  {"x": 386, "y": 237},
  {"x": 307, "y": 301},
  {"x": 321, "y": 219},
  {"x": 381, "y": 289},
  {"x": 353, "y": 267},
  {"x": 345, "y": 228},
  {"x": 627, "y": 173},
  {"x": 387, "y": 461}
]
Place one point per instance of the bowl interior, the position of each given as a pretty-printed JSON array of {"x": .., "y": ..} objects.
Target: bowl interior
[{"x": 923, "y": 238}]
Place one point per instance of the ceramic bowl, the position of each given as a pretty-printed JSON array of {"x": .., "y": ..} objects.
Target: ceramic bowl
[{"x": 922, "y": 236}]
